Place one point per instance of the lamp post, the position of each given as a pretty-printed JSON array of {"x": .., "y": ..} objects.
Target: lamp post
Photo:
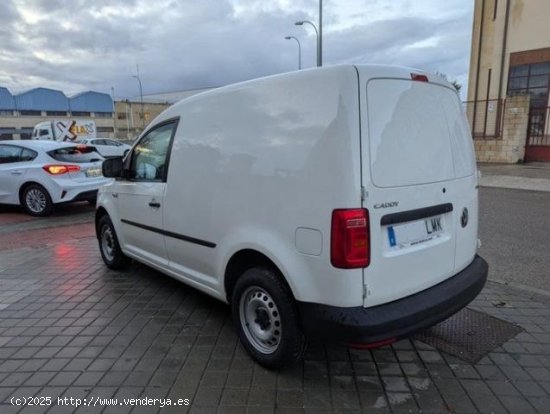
[
  {"x": 318, "y": 33},
  {"x": 141, "y": 99},
  {"x": 301, "y": 23},
  {"x": 320, "y": 44},
  {"x": 299, "y": 50}
]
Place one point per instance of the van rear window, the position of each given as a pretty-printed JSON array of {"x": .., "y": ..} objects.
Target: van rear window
[
  {"x": 417, "y": 132},
  {"x": 76, "y": 154}
]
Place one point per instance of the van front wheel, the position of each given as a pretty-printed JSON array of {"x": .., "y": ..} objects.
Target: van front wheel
[
  {"x": 266, "y": 319},
  {"x": 111, "y": 253}
]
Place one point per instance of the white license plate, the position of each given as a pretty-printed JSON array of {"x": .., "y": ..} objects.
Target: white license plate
[
  {"x": 93, "y": 172},
  {"x": 415, "y": 232}
]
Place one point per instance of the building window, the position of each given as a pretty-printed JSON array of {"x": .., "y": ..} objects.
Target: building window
[
  {"x": 105, "y": 129},
  {"x": 30, "y": 113},
  {"x": 56, "y": 113},
  {"x": 80, "y": 113},
  {"x": 530, "y": 79},
  {"x": 6, "y": 137},
  {"x": 103, "y": 114},
  {"x": 121, "y": 115}
]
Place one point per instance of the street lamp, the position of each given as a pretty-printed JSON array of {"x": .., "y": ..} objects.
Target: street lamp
[
  {"x": 318, "y": 33},
  {"x": 299, "y": 50},
  {"x": 141, "y": 99}
]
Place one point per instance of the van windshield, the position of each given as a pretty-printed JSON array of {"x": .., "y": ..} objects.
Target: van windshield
[{"x": 418, "y": 133}]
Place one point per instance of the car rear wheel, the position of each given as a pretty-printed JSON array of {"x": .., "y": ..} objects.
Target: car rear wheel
[
  {"x": 36, "y": 200},
  {"x": 108, "y": 245},
  {"x": 266, "y": 319}
]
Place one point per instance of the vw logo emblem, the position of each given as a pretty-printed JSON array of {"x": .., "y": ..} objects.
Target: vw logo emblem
[{"x": 464, "y": 217}]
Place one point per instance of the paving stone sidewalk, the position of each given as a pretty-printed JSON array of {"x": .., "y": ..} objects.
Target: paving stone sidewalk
[{"x": 69, "y": 327}]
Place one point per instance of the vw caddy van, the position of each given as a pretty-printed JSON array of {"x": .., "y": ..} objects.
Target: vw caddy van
[{"x": 337, "y": 203}]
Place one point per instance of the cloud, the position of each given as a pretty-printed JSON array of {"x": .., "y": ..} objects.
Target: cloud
[{"x": 82, "y": 45}]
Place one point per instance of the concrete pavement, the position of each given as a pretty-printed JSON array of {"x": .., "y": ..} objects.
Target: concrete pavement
[{"x": 531, "y": 176}]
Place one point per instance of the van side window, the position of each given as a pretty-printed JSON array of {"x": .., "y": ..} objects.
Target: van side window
[{"x": 149, "y": 156}]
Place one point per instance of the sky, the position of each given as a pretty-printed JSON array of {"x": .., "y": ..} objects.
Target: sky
[{"x": 178, "y": 45}]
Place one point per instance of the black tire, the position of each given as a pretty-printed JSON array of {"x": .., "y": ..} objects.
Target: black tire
[
  {"x": 274, "y": 338},
  {"x": 36, "y": 200},
  {"x": 108, "y": 245}
]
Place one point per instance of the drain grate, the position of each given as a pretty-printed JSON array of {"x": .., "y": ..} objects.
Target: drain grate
[{"x": 469, "y": 334}]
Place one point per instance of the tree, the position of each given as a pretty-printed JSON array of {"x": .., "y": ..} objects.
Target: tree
[{"x": 455, "y": 83}]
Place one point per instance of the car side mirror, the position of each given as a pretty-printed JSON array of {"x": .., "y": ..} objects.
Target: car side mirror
[{"x": 113, "y": 167}]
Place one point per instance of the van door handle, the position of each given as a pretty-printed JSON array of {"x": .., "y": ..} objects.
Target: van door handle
[
  {"x": 17, "y": 172},
  {"x": 154, "y": 204}
]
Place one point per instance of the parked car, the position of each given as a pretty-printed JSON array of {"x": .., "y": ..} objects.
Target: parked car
[
  {"x": 338, "y": 203},
  {"x": 107, "y": 147},
  {"x": 39, "y": 174}
]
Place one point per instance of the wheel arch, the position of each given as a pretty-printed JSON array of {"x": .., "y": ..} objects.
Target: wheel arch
[
  {"x": 100, "y": 212},
  {"x": 243, "y": 260},
  {"x": 26, "y": 184}
]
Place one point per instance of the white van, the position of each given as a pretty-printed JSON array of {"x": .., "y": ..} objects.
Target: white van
[{"x": 339, "y": 203}]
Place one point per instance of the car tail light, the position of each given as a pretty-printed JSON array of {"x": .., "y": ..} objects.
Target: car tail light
[
  {"x": 418, "y": 77},
  {"x": 350, "y": 238},
  {"x": 58, "y": 169}
]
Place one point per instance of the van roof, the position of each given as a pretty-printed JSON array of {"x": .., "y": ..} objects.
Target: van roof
[{"x": 365, "y": 72}]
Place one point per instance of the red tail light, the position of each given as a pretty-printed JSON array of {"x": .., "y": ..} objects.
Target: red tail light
[
  {"x": 350, "y": 238},
  {"x": 419, "y": 77},
  {"x": 58, "y": 169}
]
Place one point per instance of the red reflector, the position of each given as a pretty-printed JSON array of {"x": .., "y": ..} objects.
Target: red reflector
[
  {"x": 419, "y": 77},
  {"x": 350, "y": 238},
  {"x": 60, "y": 169},
  {"x": 370, "y": 345}
]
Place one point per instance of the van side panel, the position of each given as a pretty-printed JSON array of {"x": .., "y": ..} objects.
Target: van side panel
[{"x": 261, "y": 165}]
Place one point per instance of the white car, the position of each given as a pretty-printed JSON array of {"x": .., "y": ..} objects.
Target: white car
[
  {"x": 39, "y": 174},
  {"x": 107, "y": 147}
]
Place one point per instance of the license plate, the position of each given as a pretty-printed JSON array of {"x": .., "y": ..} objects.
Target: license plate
[
  {"x": 93, "y": 172},
  {"x": 416, "y": 232}
]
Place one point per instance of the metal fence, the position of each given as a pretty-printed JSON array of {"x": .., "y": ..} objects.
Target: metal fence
[
  {"x": 485, "y": 118},
  {"x": 539, "y": 128}
]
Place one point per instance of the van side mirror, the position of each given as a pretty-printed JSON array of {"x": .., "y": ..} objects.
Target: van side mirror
[{"x": 112, "y": 167}]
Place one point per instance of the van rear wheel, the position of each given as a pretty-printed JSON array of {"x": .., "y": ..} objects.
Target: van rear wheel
[{"x": 266, "y": 319}]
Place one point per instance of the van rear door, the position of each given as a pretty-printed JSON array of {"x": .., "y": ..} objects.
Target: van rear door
[{"x": 414, "y": 167}]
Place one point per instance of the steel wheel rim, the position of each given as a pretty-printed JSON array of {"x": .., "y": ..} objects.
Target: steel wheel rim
[
  {"x": 36, "y": 200},
  {"x": 107, "y": 243},
  {"x": 260, "y": 319}
]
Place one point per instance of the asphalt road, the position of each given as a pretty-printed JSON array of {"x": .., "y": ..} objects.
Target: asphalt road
[{"x": 514, "y": 228}]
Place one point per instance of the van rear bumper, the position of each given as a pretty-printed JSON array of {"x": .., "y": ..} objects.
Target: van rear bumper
[{"x": 399, "y": 318}]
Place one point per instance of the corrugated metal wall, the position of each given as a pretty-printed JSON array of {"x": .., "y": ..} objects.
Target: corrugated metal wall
[
  {"x": 91, "y": 102},
  {"x": 6, "y": 100},
  {"x": 44, "y": 99}
]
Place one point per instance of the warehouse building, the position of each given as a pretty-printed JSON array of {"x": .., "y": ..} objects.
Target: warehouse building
[
  {"x": 122, "y": 119},
  {"x": 21, "y": 112}
]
